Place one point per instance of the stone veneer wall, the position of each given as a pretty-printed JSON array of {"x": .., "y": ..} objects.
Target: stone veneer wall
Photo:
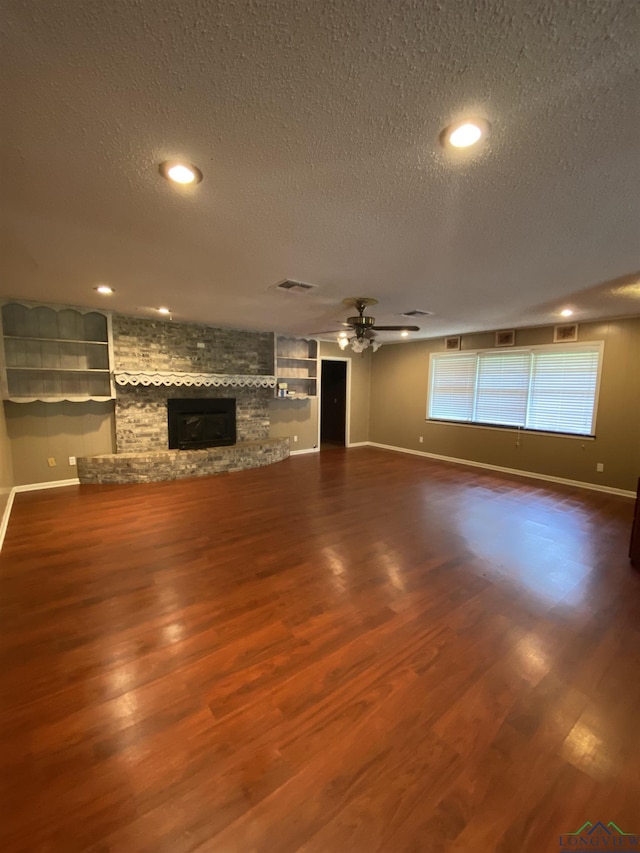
[
  {"x": 162, "y": 345},
  {"x": 140, "y": 344}
]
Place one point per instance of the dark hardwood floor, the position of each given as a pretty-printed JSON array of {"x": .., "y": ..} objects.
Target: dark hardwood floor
[{"x": 351, "y": 651}]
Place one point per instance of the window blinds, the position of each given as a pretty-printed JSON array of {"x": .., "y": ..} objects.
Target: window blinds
[
  {"x": 452, "y": 388},
  {"x": 542, "y": 388},
  {"x": 563, "y": 391},
  {"x": 501, "y": 389}
]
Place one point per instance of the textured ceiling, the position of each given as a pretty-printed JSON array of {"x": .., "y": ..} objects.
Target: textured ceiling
[{"x": 316, "y": 126}]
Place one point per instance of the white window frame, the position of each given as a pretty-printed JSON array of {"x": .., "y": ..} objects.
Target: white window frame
[{"x": 534, "y": 348}]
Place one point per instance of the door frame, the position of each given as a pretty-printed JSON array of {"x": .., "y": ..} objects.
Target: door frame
[{"x": 347, "y": 417}]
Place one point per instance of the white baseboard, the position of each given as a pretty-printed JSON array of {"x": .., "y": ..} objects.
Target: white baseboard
[
  {"x": 30, "y": 487},
  {"x": 5, "y": 516},
  {"x": 530, "y": 474},
  {"x": 360, "y": 444},
  {"x": 300, "y": 452},
  {"x": 55, "y": 484}
]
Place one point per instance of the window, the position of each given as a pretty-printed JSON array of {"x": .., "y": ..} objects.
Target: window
[{"x": 547, "y": 389}]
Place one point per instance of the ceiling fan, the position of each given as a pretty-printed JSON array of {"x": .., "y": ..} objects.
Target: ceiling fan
[{"x": 364, "y": 326}]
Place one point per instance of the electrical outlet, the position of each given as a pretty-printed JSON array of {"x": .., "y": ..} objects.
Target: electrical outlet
[
  {"x": 51, "y": 462},
  {"x": 72, "y": 460},
  {"x": 600, "y": 467},
  {"x": 295, "y": 437},
  {"x": 420, "y": 439},
  {"x": 200, "y": 344}
]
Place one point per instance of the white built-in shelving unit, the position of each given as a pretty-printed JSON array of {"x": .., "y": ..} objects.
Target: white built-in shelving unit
[
  {"x": 54, "y": 354},
  {"x": 296, "y": 361}
]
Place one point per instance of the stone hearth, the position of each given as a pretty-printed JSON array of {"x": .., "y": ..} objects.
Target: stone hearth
[{"x": 160, "y": 465}]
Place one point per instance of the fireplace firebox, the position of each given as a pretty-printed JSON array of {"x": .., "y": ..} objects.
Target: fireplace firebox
[{"x": 201, "y": 423}]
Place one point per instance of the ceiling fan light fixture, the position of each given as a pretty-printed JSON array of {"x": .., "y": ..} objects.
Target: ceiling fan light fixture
[{"x": 359, "y": 344}]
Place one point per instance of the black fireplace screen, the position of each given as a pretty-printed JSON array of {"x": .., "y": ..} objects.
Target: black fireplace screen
[{"x": 201, "y": 423}]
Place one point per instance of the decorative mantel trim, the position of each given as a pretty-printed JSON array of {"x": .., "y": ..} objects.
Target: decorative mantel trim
[{"x": 195, "y": 380}]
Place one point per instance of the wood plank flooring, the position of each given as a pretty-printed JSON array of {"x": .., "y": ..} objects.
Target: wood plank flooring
[{"x": 349, "y": 651}]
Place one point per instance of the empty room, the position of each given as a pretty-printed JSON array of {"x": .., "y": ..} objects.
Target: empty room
[{"x": 320, "y": 429}]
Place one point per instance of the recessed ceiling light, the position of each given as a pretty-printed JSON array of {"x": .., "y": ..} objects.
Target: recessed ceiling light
[
  {"x": 180, "y": 173},
  {"x": 464, "y": 134},
  {"x": 164, "y": 310},
  {"x": 404, "y": 334},
  {"x": 566, "y": 312},
  {"x": 103, "y": 288}
]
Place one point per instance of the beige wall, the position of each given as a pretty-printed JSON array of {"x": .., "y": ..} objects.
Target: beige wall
[
  {"x": 6, "y": 464},
  {"x": 399, "y": 398},
  {"x": 290, "y": 418},
  {"x": 40, "y": 430},
  {"x": 300, "y": 417}
]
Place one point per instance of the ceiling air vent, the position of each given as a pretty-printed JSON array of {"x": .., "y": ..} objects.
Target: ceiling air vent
[
  {"x": 292, "y": 286},
  {"x": 416, "y": 312}
]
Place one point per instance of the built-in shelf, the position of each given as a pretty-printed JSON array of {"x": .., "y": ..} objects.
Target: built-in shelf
[
  {"x": 296, "y": 361},
  {"x": 59, "y": 369},
  {"x": 55, "y": 354},
  {"x": 69, "y": 398},
  {"x": 55, "y": 340}
]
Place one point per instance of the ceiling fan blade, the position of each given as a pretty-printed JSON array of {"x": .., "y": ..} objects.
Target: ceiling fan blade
[
  {"x": 397, "y": 328},
  {"x": 364, "y": 325}
]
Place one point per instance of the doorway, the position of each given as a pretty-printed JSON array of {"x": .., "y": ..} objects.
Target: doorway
[{"x": 333, "y": 403}]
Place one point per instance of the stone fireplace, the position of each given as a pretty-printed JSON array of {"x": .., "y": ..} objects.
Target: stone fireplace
[{"x": 210, "y": 374}]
